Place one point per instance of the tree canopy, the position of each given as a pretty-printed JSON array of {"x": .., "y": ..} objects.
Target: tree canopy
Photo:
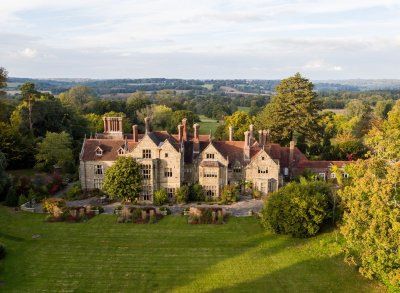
[
  {"x": 55, "y": 149},
  {"x": 3, "y": 79},
  {"x": 122, "y": 179},
  {"x": 293, "y": 110}
]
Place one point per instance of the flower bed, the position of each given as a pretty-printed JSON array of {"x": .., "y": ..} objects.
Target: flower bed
[
  {"x": 145, "y": 215},
  {"x": 206, "y": 216}
]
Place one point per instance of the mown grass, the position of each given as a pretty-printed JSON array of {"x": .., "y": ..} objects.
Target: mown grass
[
  {"x": 207, "y": 124},
  {"x": 170, "y": 256},
  {"x": 244, "y": 109}
]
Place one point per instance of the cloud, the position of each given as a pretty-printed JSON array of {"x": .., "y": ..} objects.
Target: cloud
[
  {"x": 321, "y": 65},
  {"x": 28, "y": 53}
]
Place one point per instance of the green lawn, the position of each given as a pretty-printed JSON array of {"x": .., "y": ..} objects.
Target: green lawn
[
  {"x": 170, "y": 256},
  {"x": 207, "y": 124},
  {"x": 244, "y": 109}
]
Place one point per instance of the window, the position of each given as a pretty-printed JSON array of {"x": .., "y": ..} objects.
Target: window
[
  {"x": 98, "y": 183},
  {"x": 210, "y": 156},
  {"x": 263, "y": 187},
  {"x": 263, "y": 158},
  {"x": 98, "y": 169},
  {"x": 166, "y": 155},
  {"x": 146, "y": 154},
  {"x": 121, "y": 151},
  {"x": 237, "y": 169},
  {"x": 333, "y": 175},
  {"x": 99, "y": 152},
  {"x": 209, "y": 173},
  {"x": 210, "y": 191},
  {"x": 286, "y": 171},
  {"x": 321, "y": 176},
  {"x": 145, "y": 171},
  {"x": 345, "y": 175},
  {"x": 271, "y": 185},
  {"x": 262, "y": 170},
  {"x": 170, "y": 192},
  {"x": 146, "y": 192},
  {"x": 168, "y": 172}
]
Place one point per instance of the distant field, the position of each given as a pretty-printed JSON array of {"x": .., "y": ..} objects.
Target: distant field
[
  {"x": 207, "y": 124},
  {"x": 244, "y": 109},
  {"x": 208, "y": 86},
  {"x": 170, "y": 256},
  {"x": 336, "y": 111}
]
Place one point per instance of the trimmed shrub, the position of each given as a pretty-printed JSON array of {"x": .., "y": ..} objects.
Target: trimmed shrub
[
  {"x": 196, "y": 193},
  {"x": 11, "y": 198},
  {"x": 298, "y": 209},
  {"x": 22, "y": 199},
  {"x": 74, "y": 192},
  {"x": 160, "y": 197},
  {"x": 256, "y": 194},
  {"x": 229, "y": 194},
  {"x": 182, "y": 194}
]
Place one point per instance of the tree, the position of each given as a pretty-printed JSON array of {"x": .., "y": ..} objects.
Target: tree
[
  {"x": 122, "y": 179},
  {"x": 176, "y": 119},
  {"x": 3, "y": 80},
  {"x": 240, "y": 121},
  {"x": 18, "y": 149},
  {"x": 81, "y": 98},
  {"x": 294, "y": 109},
  {"x": 229, "y": 194},
  {"x": 382, "y": 108},
  {"x": 4, "y": 179},
  {"x": 55, "y": 149},
  {"x": 298, "y": 209},
  {"x": 384, "y": 138},
  {"x": 29, "y": 94},
  {"x": 371, "y": 224},
  {"x": 94, "y": 122},
  {"x": 135, "y": 102}
]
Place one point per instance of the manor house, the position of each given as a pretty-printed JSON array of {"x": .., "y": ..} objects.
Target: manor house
[{"x": 171, "y": 160}]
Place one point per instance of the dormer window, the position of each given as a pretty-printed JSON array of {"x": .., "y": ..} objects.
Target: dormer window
[
  {"x": 99, "y": 151},
  {"x": 210, "y": 156},
  {"x": 121, "y": 151}
]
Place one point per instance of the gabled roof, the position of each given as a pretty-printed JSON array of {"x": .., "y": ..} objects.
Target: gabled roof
[{"x": 110, "y": 149}]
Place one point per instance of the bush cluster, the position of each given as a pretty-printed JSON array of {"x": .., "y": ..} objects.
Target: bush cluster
[{"x": 298, "y": 209}]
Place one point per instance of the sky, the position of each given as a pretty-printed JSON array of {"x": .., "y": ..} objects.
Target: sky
[{"x": 202, "y": 39}]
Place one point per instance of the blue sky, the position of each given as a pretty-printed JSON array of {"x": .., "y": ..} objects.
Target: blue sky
[{"x": 251, "y": 39}]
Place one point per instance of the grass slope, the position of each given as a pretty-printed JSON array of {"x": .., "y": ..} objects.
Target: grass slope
[
  {"x": 103, "y": 256},
  {"x": 207, "y": 124}
]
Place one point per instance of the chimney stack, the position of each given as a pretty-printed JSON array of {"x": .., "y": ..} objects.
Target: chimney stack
[
  {"x": 135, "y": 133},
  {"x": 251, "y": 135},
  {"x": 180, "y": 132},
  {"x": 246, "y": 148},
  {"x": 267, "y": 136},
  {"x": 261, "y": 138},
  {"x": 291, "y": 156},
  {"x": 196, "y": 131},
  {"x": 230, "y": 133},
  {"x": 184, "y": 135},
  {"x": 147, "y": 124},
  {"x": 105, "y": 125}
]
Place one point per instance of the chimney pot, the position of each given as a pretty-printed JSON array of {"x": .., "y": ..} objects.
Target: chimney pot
[
  {"x": 147, "y": 124},
  {"x": 196, "y": 130},
  {"x": 230, "y": 133},
  {"x": 135, "y": 133}
]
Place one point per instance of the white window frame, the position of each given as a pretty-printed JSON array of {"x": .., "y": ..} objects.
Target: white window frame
[
  {"x": 98, "y": 183},
  {"x": 98, "y": 170}
]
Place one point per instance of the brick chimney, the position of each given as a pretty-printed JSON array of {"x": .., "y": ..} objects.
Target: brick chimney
[
  {"x": 251, "y": 135},
  {"x": 196, "y": 131},
  {"x": 135, "y": 133},
  {"x": 261, "y": 138},
  {"x": 267, "y": 136},
  {"x": 246, "y": 148},
  {"x": 230, "y": 133},
  {"x": 180, "y": 132},
  {"x": 185, "y": 130},
  {"x": 291, "y": 156},
  {"x": 147, "y": 124}
]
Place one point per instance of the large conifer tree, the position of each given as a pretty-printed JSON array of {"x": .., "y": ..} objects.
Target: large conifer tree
[{"x": 293, "y": 110}]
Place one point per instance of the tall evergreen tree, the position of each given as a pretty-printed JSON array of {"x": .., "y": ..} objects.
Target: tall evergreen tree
[{"x": 294, "y": 109}]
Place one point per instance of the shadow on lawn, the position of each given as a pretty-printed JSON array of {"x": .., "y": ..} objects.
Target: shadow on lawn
[
  {"x": 314, "y": 275},
  {"x": 11, "y": 237}
]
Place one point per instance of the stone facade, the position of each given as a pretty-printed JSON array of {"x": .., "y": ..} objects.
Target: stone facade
[{"x": 170, "y": 160}]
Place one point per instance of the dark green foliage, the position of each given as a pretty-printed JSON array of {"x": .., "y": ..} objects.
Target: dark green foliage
[
  {"x": 294, "y": 109},
  {"x": 160, "y": 197},
  {"x": 349, "y": 150},
  {"x": 11, "y": 198},
  {"x": 298, "y": 209},
  {"x": 18, "y": 149},
  {"x": 122, "y": 179},
  {"x": 22, "y": 199},
  {"x": 196, "y": 193},
  {"x": 182, "y": 194}
]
